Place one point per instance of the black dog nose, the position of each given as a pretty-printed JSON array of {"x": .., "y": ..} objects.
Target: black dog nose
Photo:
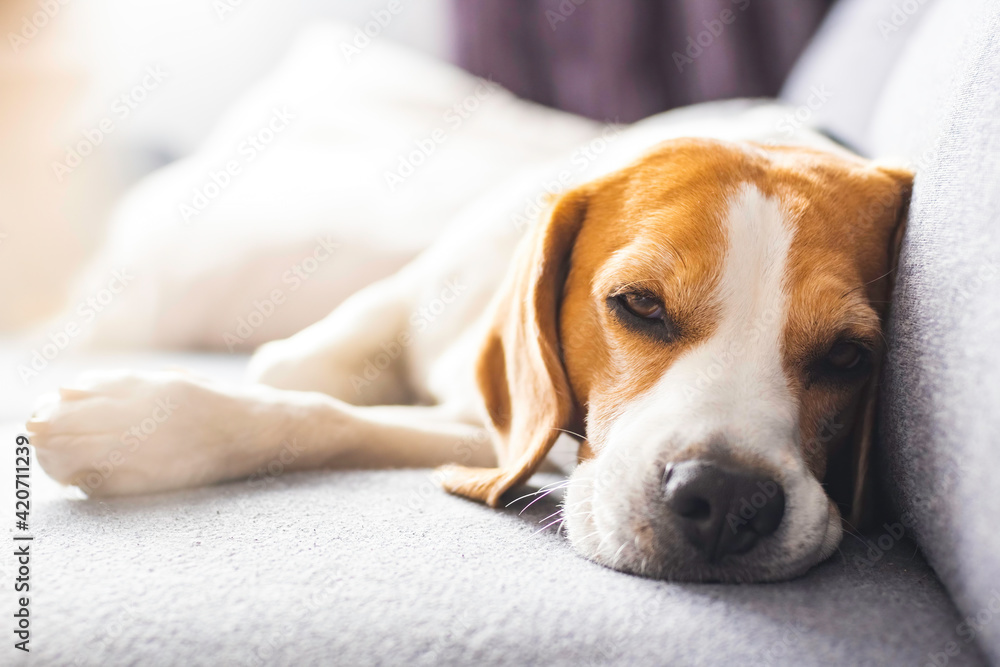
[{"x": 722, "y": 511}]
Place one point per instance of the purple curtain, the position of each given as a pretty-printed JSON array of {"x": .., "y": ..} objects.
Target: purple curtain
[{"x": 623, "y": 60}]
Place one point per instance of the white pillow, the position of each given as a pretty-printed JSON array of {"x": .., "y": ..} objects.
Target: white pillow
[{"x": 359, "y": 162}]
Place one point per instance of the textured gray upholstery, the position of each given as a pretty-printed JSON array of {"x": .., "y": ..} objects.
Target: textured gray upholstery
[
  {"x": 942, "y": 423},
  {"x": 382, "y": 568},
  {"x": 945, "y": 52},
  {"x": 364, "y": 568},
  {"x": 937, "y": 106},
  {"x": 850, "y": 59}
]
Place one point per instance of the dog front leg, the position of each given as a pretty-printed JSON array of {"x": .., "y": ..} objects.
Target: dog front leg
[{"x": 128, "y": 433}]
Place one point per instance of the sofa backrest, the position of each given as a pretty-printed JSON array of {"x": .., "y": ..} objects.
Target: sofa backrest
[
  {"x": 938, "y": 106},
  {"x": 850, "y": 58}
]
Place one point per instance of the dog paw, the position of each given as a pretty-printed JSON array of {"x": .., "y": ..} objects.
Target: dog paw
[{"x": 117, "y": 433}]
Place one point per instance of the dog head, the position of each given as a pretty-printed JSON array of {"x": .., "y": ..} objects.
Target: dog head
[{"x": 710, "y": 318}]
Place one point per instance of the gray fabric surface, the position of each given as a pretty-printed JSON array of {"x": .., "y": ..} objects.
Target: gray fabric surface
[
  {"x": 946, "y": 50},
  {"x": 382, "y": 568},
  {"x": 942, "y": 423},
  {"x": 851, "y": 58},
  {"x": 17, "y": 397},
  {"x": 362, "y": 568}
]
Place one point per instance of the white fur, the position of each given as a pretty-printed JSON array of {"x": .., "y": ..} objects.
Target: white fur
[
  {"x": 730, "y": 390},
  {"x": 302, "y": 409}
]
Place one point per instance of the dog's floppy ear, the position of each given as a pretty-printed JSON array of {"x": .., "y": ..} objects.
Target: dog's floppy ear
[
  {"x": 895, "y": 208},
  {"x": 520, "y": 369}
]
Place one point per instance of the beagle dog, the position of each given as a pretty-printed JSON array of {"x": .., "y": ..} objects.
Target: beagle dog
[{"x": 704, "y": 320}]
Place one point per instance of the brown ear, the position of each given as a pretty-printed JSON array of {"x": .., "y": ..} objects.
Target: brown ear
[
  {"x": 866, "y": 424},
  {"x": 520, "y": 370}
]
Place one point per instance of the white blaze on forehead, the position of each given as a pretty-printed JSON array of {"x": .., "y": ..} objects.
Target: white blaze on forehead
[
  {"x": 732, "y": 386},
  {"x": 730, "y": 390},
  {"x": 753, "y": 300}
]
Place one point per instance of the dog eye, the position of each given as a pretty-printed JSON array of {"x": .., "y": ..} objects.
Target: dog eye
[
  {"x": 845, "y": 356},
  {"x": 643, "y": 314},
  {"x": 642, "y": 305},
  {"x": 845, "y": 361}
]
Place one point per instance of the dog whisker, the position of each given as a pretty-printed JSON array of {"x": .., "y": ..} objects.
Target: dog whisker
[
  {"x": 558, "y": 511},
  {"x": 543, "y": 528},
  {"x": 556, "y": 485},
  {"x": 588, "y": 536},
  {"x": 539, "y": 498},
  {"x": 614, "y": 560},
  {"x": 850, "y": 291},
  {"x": 563, "y": 430}
]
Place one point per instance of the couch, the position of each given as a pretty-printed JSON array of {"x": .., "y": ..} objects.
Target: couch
[{"x": 381, "y": 568}]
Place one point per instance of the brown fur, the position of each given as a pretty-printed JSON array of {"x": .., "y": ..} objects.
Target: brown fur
[{"x": 556, "y": 356}]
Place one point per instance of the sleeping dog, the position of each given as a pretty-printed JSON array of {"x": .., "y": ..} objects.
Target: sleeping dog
[{"x": 701, "y": 314}]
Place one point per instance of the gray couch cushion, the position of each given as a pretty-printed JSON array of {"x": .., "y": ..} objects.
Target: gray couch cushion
[
  {"x": 942, "y": 389},
  {"x": 850, "y": 59},
  {"x": 381, "y": 568},
  {"x": 363, "y": 568},
  {"x": 945, "y": 51}
]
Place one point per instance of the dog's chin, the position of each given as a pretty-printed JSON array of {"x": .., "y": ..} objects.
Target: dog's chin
[{"x": 630, "y": 538}]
